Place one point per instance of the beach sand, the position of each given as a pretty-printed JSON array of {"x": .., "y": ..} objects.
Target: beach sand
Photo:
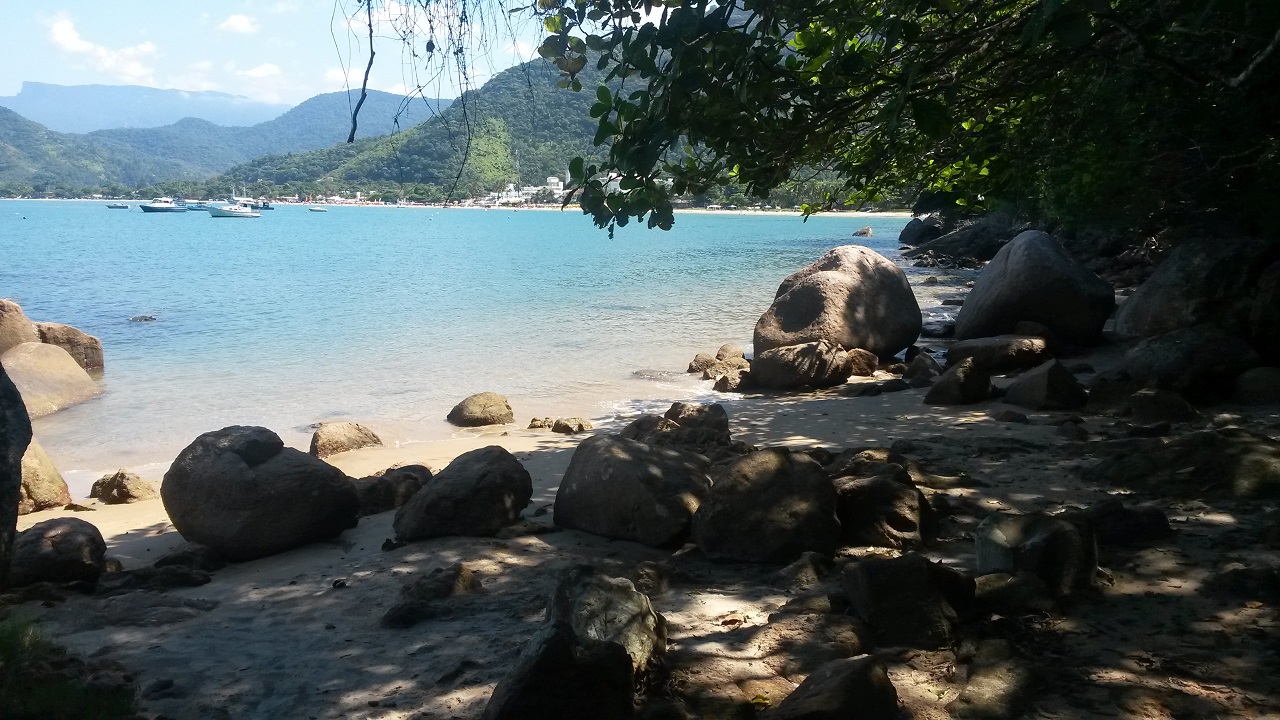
[{"x": 286, "y": 639}]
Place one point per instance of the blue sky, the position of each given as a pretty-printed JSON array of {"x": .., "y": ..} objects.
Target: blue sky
[{"x": 280, "y": 51}]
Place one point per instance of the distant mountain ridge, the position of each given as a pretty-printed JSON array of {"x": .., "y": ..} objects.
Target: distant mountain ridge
[{"x": 85, "y": 108}]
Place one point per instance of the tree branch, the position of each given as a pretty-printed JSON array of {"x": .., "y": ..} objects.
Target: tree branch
[{"x": 364, "y": 86}]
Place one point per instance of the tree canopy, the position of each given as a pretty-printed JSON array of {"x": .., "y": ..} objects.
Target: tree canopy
[{"x": 1120, "y": 114}]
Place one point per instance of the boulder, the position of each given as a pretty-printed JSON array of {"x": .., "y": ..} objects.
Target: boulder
[
  {"x": 48, "y": 378},
  {"x": 908, "y": 601},
  {"x": 1001, "y": 353},
  {"x": 628, "y": 490},
  {"x": 1228, "y": 461},
  {"x": 919, "y": 231},
  {"x": 15, "y": 435},
  {"x": 1061, "y": 553},
  {"x": 1047, "y": 387},
  {"x": 1033, "y": 278},
  {"x": 687, "y": 426},
  {"x": 486, "y": 408},
  {"x": 583, "y": 663},
  {"x": 816, "y": 364},
  {"x": 58, "y": 550},
  {"x": 241, "y": 492},
  {"x": 1150, "y": 406},
  {"x": 1209, "y": 281},
  {"x": 15, "y": 327},
  {"x": 979, "y": 240},
  {"x": 418, "y": 598},
  {"x": 999, "y": 685},
  {"x": 735, "y": 381},
  {"x": 729, "y": 351},
  {"x": 570, "y": 426},
  {"x": 42, "y": 485},
  {"x": 339, "y": 437},
  {"x": 882, "y": 508},
  {"x": 84, "y": 348},
  {"x": 542, "y": 423},
  {"x": 720, "y": 368},
  {"x": 1200, "y": 362},
  {"x": 390, "y": 489},
  {"x": 851, "y": 297},
  {"x": 769, "y": 506},
  {"x": 699, "y": 415},
  {"x": 1259, "y": 386},
  {"x": 848, "y": 689},
  {"x": 478, "y": 494},
  {"x": 122, "y": 487},
  {"x": 922, "y": 367},
  {"x": 962, "y": 384},
  {"x": 701, "y": 362}
]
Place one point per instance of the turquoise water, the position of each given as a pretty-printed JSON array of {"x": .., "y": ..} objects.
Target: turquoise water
[{"x": 387, "y": 316}]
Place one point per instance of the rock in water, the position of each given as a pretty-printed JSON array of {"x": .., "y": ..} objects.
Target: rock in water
[
  {"x": 122, "y": 487},
  {"x": 241, "y": 492},
  {"x": 816, "y": 364},
  {"x": 851, "y": 297},
  {"x": 848, "y": 689},
  {"x": 628, "y": 490},
  {"x": 478, "y": 494},
  {"x": 1048, "y": 387},
  {"x": 486, "y": 408},
  {"x": 769, "y": 506},
  {"x": 1063, "y": 554},
  {"x": 15, "y": 327},
  {"x": 48, "y": 378},
  {"x": 1033, "y": 278},
  {"x": 84, "y": 348},
  {"x": 58, "y": 550},
  {"x": 339, "y": 437},
  {"x": 15, "y": 434},
  {"x": 42, "y": 485}
]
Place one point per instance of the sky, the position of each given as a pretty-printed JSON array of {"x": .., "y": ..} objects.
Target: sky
[{"x": 277, "y": 51}]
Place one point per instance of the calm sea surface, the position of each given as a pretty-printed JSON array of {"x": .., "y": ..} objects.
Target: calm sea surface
[{"x": 386, "y": 316}]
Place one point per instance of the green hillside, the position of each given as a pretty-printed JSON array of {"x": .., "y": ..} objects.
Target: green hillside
[{"x": 33, "y": 155}]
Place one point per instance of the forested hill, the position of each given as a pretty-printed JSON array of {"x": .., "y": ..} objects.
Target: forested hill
[
  {"x": 518, "y": 127},
  {"x": 30, "y": 152}
]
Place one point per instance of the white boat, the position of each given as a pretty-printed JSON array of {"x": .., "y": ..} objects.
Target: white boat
[
  {"x": 318, "y": 209},
  {"x": 162, "y": 204},
  {"x": 118, "y": 206},
  {"x": 233, "y": 211}
]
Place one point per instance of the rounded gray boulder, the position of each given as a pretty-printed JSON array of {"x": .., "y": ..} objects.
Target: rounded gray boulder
[
  {"x": 486, "y": 408},
  {"x": 58, "y": 550},
  {"x": 478, "y": 494},
  {"x": 339, "y": 437}
]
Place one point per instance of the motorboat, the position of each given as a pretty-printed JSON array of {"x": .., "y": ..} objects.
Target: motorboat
[
  {"x": 237, "y": 210},
  {"x": 197, "y": 205},
  {"x": 261, "y": 204},
  {"x": 162, "y": 204},
  {"x": 118, "y": 206},
  {"x": 318, "y": 209}
]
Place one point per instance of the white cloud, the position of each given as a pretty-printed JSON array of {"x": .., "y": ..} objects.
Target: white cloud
[
  {"x": 129, "y": 64},
  {"x": 265, "y": 70},
  {"x": 242, "y": 24}
]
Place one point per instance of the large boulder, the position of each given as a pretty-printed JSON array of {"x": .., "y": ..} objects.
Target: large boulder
[
  {"x": 1001, "y": 353},
  {"x": 241, "y": 492},
  {"x": 908, "y": 601},
  {"x": 919, "y": 231},
  {"x": 628, "y": 490},
  {"x": 1200, "y": 362},
  {"x": 1048, "y": 387},
  {"x": 477, "y": 494},
  {"x": 1033, "y": 278},
  {"x": 15, "y": 434},
  {"x": 1209, "y": 281},
  {"x": 84, "y": 348},
  {"x": 42, "y": 485},
  {"x": 486, "y": 408},
  {"x": 978, "y": 240},
  {"x": 769, "y": 506},
  {"x": 852, "y": 297},
  {"x": 881, "y": 507},
  {"x": 816, "y": 364},
  {"x": 122, "y": 487},
  {"x": 1228, "y": 461},
  {"x": 58, "y": 550},
  {"x": 48, "y": 378},
  {"x": 339, "y": 437},
  {"x": 15, "y": 327}
]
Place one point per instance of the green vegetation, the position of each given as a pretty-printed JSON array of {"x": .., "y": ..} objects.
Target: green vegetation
[{"x": 38, "y": 681}]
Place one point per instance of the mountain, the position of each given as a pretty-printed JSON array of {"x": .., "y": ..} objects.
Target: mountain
[
  {"x": 194, "y": 149},
  {"x": 518, "y": 127},
  {"x": 85, "y": 108}
]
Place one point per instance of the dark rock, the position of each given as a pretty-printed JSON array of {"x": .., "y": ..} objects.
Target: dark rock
[
  {"x": 418, "y": 598},
  {"x": 1259, "y": 386},
  {"x": 908, "y": 601},
  {"x": 486, "y": 408},
  {"x": 59, "y": 550},
  {"x": 1114, "y": 523},
  {"x": 653, "y": 579},
  {"x": 1073, "y": 431},
  {"x": 884, "y": 511},
  {"x": 1259, "y": 584},
  {"x": 1199, "y": 362},
  {"x": 239, "y": 491},
  {"x": 478, "y": 494},
  {"x": 962, "y": 384},
  {"x": 193, "y": 555},
  {"x": 806, "y": 572},
  {"x": 1152, "y": 405},
  {"x": 968, "y": 245},
  {"x": 628, "y": 490},
  {"x": 919, "y": 231},
  {"x": 15, "y": 435},
  {"x": 1033, "y": 278},
  {"x": 1011, "y": 416},
  {"x": 1030, "y": 328},
  {"x": 922, "y": 366},
  {"x": 1001, "y": 353},
  {"x": 390, "y": 489},
  {"x": 700, "y": 415},
  {"x": 769, "y": 506},
  {"x": 1013, "y": 593},
  {"x": 1109, "y": 394},
  {"x": 851, "y": 297},
  {"x": 339, "y": 437},
  {"x": 1063, "y": 554},
  {"x": 155, "y": 579},
  {"x": 708, "y": 428},
  {"x": 999, "y": 686},
  {"x": 84, "y": 348},
  {"x": 848, "y": 689},
  {"x": 1227, "y": 461},
  {"x": 1047, "y": 387},
  {"x": 42, "y": 485},
  {"x": 815, "y": 364},
  {"x": 122, "y": 487}
]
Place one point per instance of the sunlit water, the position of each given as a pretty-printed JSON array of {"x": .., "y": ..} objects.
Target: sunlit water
[{"x": 386, "y": 316}]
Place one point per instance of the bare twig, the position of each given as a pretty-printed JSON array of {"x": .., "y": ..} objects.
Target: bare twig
[{"x": 364, "y": 86}]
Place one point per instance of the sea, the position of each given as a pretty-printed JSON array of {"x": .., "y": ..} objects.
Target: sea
[{"x": 387, "y": 316}]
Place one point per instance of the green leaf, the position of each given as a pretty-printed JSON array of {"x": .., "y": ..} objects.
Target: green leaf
[
  {"x": 931, "y": 116},
  {"x": 603, "y": 95}
]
